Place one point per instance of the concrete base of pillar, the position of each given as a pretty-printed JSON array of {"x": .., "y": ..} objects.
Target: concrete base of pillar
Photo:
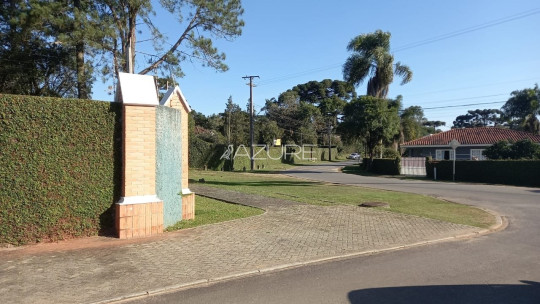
[
  {"x": 188, "y": 206},
  {"x": 139, "y": 220}
]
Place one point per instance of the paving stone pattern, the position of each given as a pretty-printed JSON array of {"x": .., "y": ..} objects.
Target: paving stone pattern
[{"x": 288, "y": 232}]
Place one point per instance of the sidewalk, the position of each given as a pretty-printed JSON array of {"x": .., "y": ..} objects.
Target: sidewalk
[{"x": 288, "y": 234}]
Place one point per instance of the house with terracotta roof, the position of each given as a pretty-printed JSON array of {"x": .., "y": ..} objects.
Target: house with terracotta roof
[{"x": 472, "y": 142}]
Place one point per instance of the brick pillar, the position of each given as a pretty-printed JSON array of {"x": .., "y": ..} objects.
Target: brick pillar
[
  {"x": 139, "y": 212},
  {"x": 188, "y": 197}
]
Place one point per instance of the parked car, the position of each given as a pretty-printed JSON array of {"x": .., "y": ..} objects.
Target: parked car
[{"x": 354, "y": 156}]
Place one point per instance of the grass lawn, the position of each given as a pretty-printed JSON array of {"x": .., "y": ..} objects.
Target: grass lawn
[
  {"x": 209, "y": 211},
  {"x": 279, "y": 186}
]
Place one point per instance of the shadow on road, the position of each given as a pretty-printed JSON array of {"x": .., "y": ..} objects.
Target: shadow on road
[
  {"x": 263, "y": 183},
  {"x": 528, "y": 292},
  {"x": 302, "y": 171}
]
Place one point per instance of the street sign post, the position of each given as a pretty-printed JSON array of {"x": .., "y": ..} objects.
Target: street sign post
[{"x": 454, "y": 144}]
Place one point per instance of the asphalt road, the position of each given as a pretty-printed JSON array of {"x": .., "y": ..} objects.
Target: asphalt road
[{"x": 502, "y": 267}]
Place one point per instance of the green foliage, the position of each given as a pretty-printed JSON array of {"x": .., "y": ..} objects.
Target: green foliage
[
  {"x": 391, "y": 153},
  {"x": 235, "y": 124},
  {"x": 32, "y": 61},
  {"x": 507, "y": 172},
  {"x": 201, "y": 153},
  {"x": 432, "y": 125},
  {"x": 372, "y": 119},
  {"x": 329, "y": 96},
  {"x": 499, "y": 150},
  {"x": 325, "y": 194},
  {"x": 306, "y": 111},
  {"x": 60, "y": 167},
  {"x": 523, "y": 149},
  {"x": 412, "y": 119},
  {"x": 372, "y": 58},
  {"x": 60, "y": 43},
  {"x": 479, "y": 118},
  {"x": 200, "y": 20},
  {"x": 267, "y": 130},
  {"x": 522, "y": 108},
  {"x": 210, "y": 211}
]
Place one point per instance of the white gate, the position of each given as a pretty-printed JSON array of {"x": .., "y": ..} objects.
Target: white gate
[{"x": 413, "y": 166}]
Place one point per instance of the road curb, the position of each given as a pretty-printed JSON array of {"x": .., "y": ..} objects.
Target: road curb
[{"x": 500, "y": 224}]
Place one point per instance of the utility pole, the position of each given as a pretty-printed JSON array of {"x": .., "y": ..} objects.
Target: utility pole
[
  {"x": 252, "y": 161},
  {"x": 130, "y": 56},
  {"x": 329, "y": 141}
]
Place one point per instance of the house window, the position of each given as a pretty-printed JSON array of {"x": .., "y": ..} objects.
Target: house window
[
  {"x": 444, "y": 154},
  {"x": 476, "y": 154}
]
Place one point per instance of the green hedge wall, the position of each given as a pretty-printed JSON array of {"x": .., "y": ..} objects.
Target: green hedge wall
[
  {"x": 387, "y": 166},
  {"x": 60, "y": 167},
  {"x": 507, "y": 172},
  {"x": 202, "y": 153}
]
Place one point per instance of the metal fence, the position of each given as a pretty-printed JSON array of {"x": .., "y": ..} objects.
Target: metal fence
[{"x": 413, "y": 166}]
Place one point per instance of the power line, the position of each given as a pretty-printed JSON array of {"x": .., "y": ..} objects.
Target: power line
[
  {"x": 294, "y": 75},
  {"x": 473, "y": 87},
  {"x": 468, "y": 98},
  {"x": 470, "y": 29},
  {"x": 463, "y": 105},
  {"x": 464, "y": 31}
]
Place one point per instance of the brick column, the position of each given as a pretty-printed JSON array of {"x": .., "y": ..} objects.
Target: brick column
[
  {"x": 188, "y": 197},
  {"x": 139, "y": 212}
]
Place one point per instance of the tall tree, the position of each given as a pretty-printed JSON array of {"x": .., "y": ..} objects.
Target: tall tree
[
  {"x": 200, "y": 20},
  {"x": 31, "y": 60},
  {"x": 412, "y": 123},
  {"x": 478, "y": 118},
  {"x": 372, "y": 119},
  {"x": 371, "y": 59},
  {"x": 522, "y": 108},
  {"x": 433, "y": 125},
  {"x": 316, "y": 92},
  {"x": 297, "y": 118},
  {"x": 310, "y": 108},
  {"x": 235, "y": 124},
  {"x": 330, "y": 96},
  {"x": 62, "y": 35},
  {"x": 267, "y": 130}
]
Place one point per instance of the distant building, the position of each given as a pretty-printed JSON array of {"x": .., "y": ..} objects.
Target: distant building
[{"x": 472, "y": 142}]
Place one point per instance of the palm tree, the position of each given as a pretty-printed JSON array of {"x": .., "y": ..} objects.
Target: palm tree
[{"x": 371, "y": 58}]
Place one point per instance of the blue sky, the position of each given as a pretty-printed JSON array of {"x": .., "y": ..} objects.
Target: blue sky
[{"x": 292, "y": 42}]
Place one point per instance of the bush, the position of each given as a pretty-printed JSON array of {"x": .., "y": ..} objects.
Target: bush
[
  {"x": 202, "y": 153},
  {"x": 60, "y": 167},
  {"x": 523, "y": 149},
  {"x": 508, "y": 172},
  {"x": 391, "y": 153}
]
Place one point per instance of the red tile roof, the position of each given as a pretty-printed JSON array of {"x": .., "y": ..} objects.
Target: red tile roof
[{"x": 472, "y": 136}]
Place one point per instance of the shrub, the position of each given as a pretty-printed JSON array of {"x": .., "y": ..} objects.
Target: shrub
[
  {"x": 523, "y": 149},
  {"x": 60, "y": 167},
  {"x": 391, "y": 153}
]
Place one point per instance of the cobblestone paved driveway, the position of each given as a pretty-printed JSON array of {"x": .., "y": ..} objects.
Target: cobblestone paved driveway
[{"x": 287, "y": 233}]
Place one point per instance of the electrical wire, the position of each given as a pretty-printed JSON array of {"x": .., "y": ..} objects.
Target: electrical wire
[{"x": 453, "y": 34}]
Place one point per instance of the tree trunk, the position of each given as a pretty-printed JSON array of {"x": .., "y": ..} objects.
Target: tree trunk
[{"x": 82, "y": 89}]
